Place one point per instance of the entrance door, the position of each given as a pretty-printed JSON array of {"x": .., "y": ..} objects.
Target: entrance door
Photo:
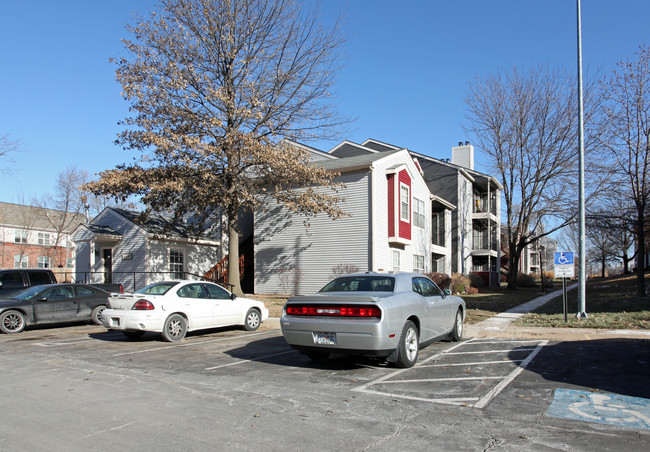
[{"x": 107, "y": 254}]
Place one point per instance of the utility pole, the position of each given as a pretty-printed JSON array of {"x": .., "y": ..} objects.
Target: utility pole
[{"x": 582, "y": 312}]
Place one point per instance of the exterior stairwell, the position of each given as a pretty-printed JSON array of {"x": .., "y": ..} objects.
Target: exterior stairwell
[{"x": 219, "y": 272}]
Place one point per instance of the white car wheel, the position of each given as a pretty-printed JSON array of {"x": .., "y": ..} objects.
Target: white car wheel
[
  {"x": 175, "y": 328},
  {"x": 408, "y": 347},
  {"x": 253, "y": 320}
]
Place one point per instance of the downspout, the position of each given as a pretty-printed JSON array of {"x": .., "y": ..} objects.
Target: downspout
[{"x": 372, "y": 218}]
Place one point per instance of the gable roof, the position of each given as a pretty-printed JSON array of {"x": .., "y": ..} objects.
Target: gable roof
[
  {"x": 355, "y": 163},
  {"x": 30, "y": 217}
]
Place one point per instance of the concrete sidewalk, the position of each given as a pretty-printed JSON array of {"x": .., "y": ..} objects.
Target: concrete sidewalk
[{"x": 501, "y": 325}]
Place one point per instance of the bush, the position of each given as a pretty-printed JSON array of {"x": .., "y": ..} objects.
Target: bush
[
  {"x": 472, "y": 291},
  {"x": 459, "y": 283},
  {"x": 443, "y": 280},
  {"x": 476, "y": 280},
  {"x": 525, "y": 280}
]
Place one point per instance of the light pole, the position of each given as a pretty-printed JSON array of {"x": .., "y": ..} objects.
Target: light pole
[{"x": 582, "y": 312}]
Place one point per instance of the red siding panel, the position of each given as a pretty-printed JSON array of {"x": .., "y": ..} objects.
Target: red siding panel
[
  {"x": 404, "y": 226},
  {"x": 391, "y": 205}
]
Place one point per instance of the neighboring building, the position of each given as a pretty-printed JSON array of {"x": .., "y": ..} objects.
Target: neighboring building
[
  {"x": 465, "y": 202},
  {"x": 116, "y": 247},
  {"x": 388, "y": 227},
  {"x": 35, "y": 237}
]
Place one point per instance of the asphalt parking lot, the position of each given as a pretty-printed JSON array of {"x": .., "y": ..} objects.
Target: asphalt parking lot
[{"x": 84, "y": 388}]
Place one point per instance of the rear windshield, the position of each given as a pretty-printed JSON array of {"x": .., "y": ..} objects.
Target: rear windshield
[
  {"x": 160, "y": 288},
  {"x": 361, "y": 284}
]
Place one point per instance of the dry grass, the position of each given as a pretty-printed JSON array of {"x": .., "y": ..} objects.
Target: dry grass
[{"x": 610, "y": 303}]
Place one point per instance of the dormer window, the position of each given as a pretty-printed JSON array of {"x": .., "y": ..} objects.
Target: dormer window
[{"x": 405, "y": 203}]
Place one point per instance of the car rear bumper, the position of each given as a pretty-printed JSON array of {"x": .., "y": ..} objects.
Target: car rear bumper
[
  {"x": 349, "y": 335},
  {"x": 122, "y": 320}
]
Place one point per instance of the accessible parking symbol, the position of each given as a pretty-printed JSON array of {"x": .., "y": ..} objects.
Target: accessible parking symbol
[{"x": 623, "y": 411}]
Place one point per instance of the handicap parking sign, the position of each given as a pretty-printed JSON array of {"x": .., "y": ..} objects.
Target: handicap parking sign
[{"x": 564, "y": 258}]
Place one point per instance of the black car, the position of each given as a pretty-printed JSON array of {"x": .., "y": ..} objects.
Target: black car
[{"x": 52, "y": 303}]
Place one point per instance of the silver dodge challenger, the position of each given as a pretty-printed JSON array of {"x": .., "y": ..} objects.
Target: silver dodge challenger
[{"x": 386, "y": 315}]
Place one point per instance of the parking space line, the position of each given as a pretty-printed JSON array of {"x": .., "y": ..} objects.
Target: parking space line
[
  {"x": 478, "y": 363},
  {"x": 476, "y": 402},
  {"x": 243, "y": 361},
  {"x": 192, "y": 344},
  {"x": 501, "y": 386}
]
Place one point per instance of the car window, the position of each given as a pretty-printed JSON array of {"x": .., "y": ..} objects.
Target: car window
[
  {"x": 217, "y": 292},
  {"x": 425, "y": 287},
  {"x": 84, "y": 291},
  {"x": 191, "y": 291},
  {"x": 58, "y": 293},
  {"x": 37, "y": 278},
  {"x": 160, "y": 288},
  {"x": 11, "y": 278},
  {"x": 361, "y": 284}
]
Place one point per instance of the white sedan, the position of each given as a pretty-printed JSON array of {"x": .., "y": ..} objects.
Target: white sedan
[{"x": 175, "y": 307}]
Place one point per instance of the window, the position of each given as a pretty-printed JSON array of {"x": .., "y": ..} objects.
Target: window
[
  {"x": 361, "y": 284},
  {"x": 418, "y": 213},
  {"x": 192, "y": 291},
  {"x": 44, "y": 262},
  {"x": 418, "y": 263},
  {"x": 21, "y": 261},
  {"x": 426, "y": 288},
  {"x": 217, "y": 292},
  {"x": 405, "y": 203},
  {"x": 20, "y": 236},
  {"x": 69, "y": 263},
  {"x": 176, "y": 264},
  {"x": 396, "y": 260},
  {"x": 43, "y": 238}
]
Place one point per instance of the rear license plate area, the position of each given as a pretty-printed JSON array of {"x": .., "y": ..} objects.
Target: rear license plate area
[{"x": 325, "y": 338}]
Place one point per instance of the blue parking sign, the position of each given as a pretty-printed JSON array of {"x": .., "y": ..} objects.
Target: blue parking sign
[{"x": 564, "y": 258}]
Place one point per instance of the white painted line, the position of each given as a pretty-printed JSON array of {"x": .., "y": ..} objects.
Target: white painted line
[
  {"x": 363, "y": 387},
  {"x": 63, "y": 342},
  {"x": 450, "y": 401},
  {"x": 493, "y": 351},
  {"x": 193, "y": 344},
  {"x": 243, "y": 361},
  {"x": 477, "y": 363},
  {"x": 422, "y": 380},
  {"x": 501, "y": 386}
]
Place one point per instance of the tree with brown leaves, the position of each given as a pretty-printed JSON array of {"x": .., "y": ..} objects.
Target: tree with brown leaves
[{"x": 214, "y": 87}]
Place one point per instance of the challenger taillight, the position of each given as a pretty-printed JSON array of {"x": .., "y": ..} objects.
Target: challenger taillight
[
  {"x": 143, "y": 305},
  {"x": 365, "y": 311}
]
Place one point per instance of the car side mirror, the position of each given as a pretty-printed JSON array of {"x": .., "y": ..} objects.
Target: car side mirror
[
  {"x": 42, "y": 299},
  {"x": 233, "y": 296},
  {"x": 0, "y": 284},
  {"x": 447, "y": 292}
]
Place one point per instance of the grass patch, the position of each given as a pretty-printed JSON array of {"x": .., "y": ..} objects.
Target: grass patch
[
  {"x": 492, "y": 301},
  {"x": 611, "y": 303}
]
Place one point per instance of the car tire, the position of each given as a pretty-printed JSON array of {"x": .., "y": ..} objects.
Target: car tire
[
  {"x": 457, "y": 332},
  {"x": 133, "y": 335},
  {"x": 175, "y": 328},
  {"x": 252, "y": 320},
  {"x": 96, "y": 315},
  {"x": 408, "y": 347},
  {"x": 12, "y": 322}
]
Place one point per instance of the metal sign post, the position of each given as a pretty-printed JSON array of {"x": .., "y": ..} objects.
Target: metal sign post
[{"x": 564, "y": 268}]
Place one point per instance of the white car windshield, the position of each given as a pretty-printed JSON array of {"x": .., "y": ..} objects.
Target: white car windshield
[
  {"x": 160, "y": 288},
  {"x": 361, "y": 284}
]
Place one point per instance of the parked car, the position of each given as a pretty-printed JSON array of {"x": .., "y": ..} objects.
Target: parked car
[
  {"x": 17, "y": 279},
  {"x": 175, "y": 307},
  {"x": 386, "y": 315},
  {"x": 52, "y": 303}
]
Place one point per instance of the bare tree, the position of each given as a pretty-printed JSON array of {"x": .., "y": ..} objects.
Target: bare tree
[
  {"x": 7, "y": 147},
  {"x": 526, "y": 123},
  {"x": 626, "y": 127},
  {"x": 61, "y": 208},
  {"x": 214, "y": 87}
]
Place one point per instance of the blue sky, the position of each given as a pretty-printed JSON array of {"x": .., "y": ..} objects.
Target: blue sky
[{"x": 407, "y": 67}]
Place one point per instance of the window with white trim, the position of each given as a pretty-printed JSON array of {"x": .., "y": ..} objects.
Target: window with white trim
[
  {"x": 405, "y": 203},
  {"x": 418, "y": 213},
  {"x": 176, "y": 264},
  {"x": 44, "y": 262},
  {"x": 396, "y": 260},
  {"x": 43, "y": 238},
  {"x": 20, "y": 236},
  {"x": 418, "y": 263},
  {"x": 21, "y": 261}
]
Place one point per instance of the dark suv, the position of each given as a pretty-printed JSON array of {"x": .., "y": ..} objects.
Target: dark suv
[{"x": 17, "y": 279}]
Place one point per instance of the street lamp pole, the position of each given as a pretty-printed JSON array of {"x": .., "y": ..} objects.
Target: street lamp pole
[{"x": 582, "y": 312}]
